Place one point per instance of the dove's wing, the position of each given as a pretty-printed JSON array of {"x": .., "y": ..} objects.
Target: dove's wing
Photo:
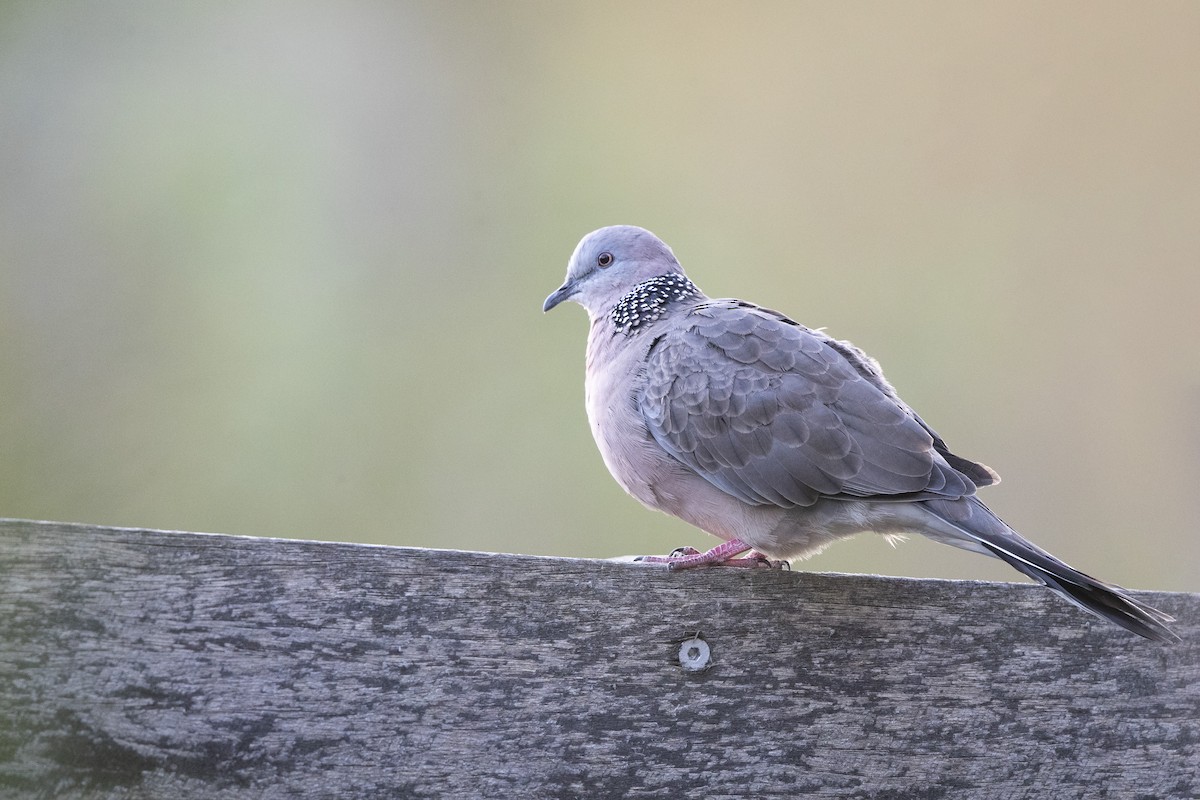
[{"x": 776, "y": 414}]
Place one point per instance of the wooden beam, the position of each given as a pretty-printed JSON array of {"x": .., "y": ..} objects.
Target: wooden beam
[{"x": 139, "y": 663}]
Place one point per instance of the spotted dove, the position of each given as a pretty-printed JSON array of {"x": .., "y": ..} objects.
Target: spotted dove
[{"x": 774, "y": 437}]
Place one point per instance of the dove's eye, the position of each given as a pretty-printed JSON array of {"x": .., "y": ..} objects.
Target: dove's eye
[{"x": 604, "y": 259}]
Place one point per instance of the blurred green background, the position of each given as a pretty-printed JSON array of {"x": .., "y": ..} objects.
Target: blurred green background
[{"x": 277, "y": 268}]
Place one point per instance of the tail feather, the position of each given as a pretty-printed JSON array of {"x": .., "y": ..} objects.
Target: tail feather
[
  {"x": 1104, "y": 600},
  {"x": 983, "y": 528}
]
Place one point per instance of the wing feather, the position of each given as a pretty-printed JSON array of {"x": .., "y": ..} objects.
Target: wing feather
[{"x": 776, "y": 414}]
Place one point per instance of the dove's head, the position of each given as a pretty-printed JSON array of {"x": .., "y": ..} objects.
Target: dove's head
[{"x": 608, "y": 263}]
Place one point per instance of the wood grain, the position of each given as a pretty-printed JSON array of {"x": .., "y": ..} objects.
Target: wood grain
[{"x": 151, "y": 664}]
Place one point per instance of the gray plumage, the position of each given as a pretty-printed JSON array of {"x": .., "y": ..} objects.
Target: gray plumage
[{"x": 774, "y": 437}]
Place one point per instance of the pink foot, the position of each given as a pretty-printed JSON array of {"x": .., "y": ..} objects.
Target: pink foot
[
  {"x": 723, "y": 555},
  {"x": 756, "y": 560}
]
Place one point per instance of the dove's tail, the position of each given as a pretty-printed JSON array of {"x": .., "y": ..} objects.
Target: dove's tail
[{"x": 983, "y": 531}]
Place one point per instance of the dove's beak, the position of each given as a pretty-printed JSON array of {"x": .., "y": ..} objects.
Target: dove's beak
[{"x": 561, "y": 293}]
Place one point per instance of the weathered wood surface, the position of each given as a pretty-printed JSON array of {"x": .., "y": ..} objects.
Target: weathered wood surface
[{"x": 147, "y": 664}]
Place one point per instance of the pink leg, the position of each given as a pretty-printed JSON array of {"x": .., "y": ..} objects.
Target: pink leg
[{"x": 723, "y": 555}]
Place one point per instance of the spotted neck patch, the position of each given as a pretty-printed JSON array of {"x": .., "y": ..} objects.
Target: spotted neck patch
[{"x": 649, "y": 300}]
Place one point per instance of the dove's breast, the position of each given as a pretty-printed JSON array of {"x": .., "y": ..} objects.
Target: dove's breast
[{"x": 611, "y": 397}]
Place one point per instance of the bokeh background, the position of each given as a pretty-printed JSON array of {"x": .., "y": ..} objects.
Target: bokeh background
[{"x": 276, "y": 268}]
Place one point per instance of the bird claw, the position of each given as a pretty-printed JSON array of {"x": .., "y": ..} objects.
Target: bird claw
[
  {"x": 728, "y": 554},
  {"x": 754, "y": 560},
  {"x": 767, "y": 562}
]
